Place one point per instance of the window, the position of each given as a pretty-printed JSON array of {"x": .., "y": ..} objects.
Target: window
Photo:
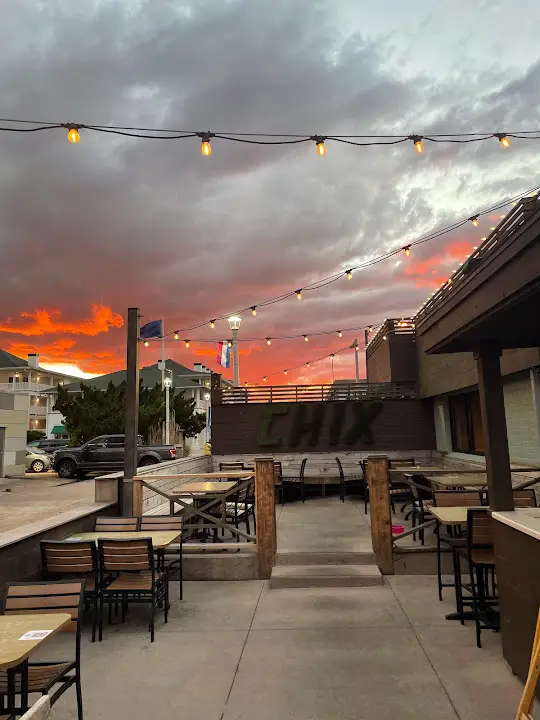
[{"x": 466, "y": 423}]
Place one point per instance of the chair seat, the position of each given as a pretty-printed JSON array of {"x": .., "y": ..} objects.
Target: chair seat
[
  {"x": 40, "y": 677},
  {"x": 134, "y": 581},
  {"x": 291, "y": 479},
  {"x": 483, "y": 557}
]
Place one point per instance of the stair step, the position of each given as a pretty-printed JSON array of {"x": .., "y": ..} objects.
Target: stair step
[
  {"x": 308, "y": 576},
  {"x": 323, "y": 557}
]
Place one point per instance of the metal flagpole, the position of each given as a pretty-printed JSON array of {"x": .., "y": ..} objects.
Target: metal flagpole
[{"x": 355, "y": 346}]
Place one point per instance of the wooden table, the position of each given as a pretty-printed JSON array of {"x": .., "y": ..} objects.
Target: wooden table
[
  {"x": 14, "y": 652},
  {"x": 455, "y": 515},
  {"x": 416, "y": 469},
  {"x": 160, "y": 539},
  {"x": 461, "y": 480},
  {"x": 205, "y": 488}
]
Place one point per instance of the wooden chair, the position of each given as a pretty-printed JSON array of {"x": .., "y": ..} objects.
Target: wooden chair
[
  {"x": 116, "y": 524},
  {"x": 397, "y": 462},
  {"x": 242, "y": 507},
  {"x": 278, "y": 480},
  {"x": 74, "y": 560},
  {"x": 296, "y": 481},
  {"x": 157, "y": 523},
  {"x": 422, "y": 501},
  {"x": 227, "y": 467},
  {"x": 522, "y": 498},
  {"x": 137, "y": 579},
  {"x": 452, "y": 498},
  {"x": 63, "y": 596},
  {"x": 527, "y": 697},
  {"x": 346, "y": 481}
]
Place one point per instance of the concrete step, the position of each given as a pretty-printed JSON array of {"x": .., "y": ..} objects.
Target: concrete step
[
  {"x": 309, "y": 576},
  {"x": 323, "y": 557}
]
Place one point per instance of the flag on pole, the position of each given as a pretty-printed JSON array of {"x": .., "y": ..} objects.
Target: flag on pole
[
  {"x": 224, "y": 354},
  {"x": 153, "y": 329}
]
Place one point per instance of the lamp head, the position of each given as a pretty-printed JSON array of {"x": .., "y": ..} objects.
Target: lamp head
[{"x": 234, "y": 322}]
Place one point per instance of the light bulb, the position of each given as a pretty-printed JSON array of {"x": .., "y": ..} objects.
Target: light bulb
[
  {"x": 229, "y": 343},
  {"x": 298, "y": 294},
  {"x": 245, "y": 384},
  {"x": 146, "y": 343},
  {"x": 285, "y": 372},
  {"x": 176, "y": 336},
  {"x": 332, "y": 356},
  {"x": 369, "y": 329},
  {"x": 407, "y": 250},
  {"x": 319, "y": 142},
  {"x": 383, "y": 337},
  {"x": 212, "y": 324},
  {"x": 474, "y": 221},
  {"x": 306, "y": 338},
  {"x": 268, "y": 341},
  {"x": 73, "y": 135},
  {"x": 307, "y": 364},
  {"x": 186, "y": 342},
  {"x": 254, "y": 311},
  {"x": 356, "y": 348},
  {"x": 349, "y": 274},
  {"x": 206, "y": 147},
  {"x": 505, "y": 142},
  {"x": 418, "y": 144},
  {"x": 339, "y": 333},
  {"x": 264, "y": 378}
]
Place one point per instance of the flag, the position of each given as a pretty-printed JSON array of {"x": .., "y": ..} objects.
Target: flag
[
  {"x": 153, "y": 329},
  {"x": 224, "y": 354}
]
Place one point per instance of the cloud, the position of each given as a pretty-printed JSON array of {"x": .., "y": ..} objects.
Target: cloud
[{"x": 43, "y": 322}]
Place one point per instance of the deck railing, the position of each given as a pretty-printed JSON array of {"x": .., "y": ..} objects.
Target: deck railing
[{"x": 318, "y": 393}]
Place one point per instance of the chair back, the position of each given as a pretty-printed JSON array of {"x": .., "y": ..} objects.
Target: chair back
[
  {"x": 401, "y": 461},
  {"x": 479, "y": 528},
  {"x": 231, "y": 467},
  {"x": 457, "y": 498},
  {"x": 303, "y": 468},
  {"x": 278, "y": 472},
  {"x": 157, "y": 523},
  {"x": 62, "y": 557},
  {"x": 116, "y": 524},
  {"x": 524, "y": 498},
  {"x": 340, "y": 469},
  {"x": 421, "y": 492},
  {"x": 59, "y": 596},
  {"x": 126, "y": 555}
]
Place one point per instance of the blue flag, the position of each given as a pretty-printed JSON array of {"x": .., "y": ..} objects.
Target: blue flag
[{"x": 153, "y": 329}]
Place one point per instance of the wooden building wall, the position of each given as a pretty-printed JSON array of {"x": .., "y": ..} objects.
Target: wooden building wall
[{"x": 374, "y": 426}]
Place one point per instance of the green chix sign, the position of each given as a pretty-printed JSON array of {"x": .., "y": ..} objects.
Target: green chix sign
[{"x": 341, "y": 422}]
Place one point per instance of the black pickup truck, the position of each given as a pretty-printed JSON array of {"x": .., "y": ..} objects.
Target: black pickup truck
[{"x": 106, "y": 454}]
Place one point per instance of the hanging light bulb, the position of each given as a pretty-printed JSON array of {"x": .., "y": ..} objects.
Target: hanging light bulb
[
  {"x": 298, "y": 294},
  {"x": 176, "y": 336},
  {"x": 349, "y": 274},
  {"x": 264, "y": 378},
  {"x": 503, "y": 139},
  {"x": 245, "y": 384},
  {"x": 146, "y": 343},
  {"x": 319, "y": 142},
  {"x": 73, "y": 134},
  {"x": 474, "y": 220},
  {"x": 307, "y": 364},
  {"x": 212, "y": 324},
  {"x": 339, "y": 333},
  {"x": 285, "y": 372},
  {"x": 229, "y": 343},
  {"x": 268, "y": 341},
  {"x": 383, "y": 337},
  {"x": 332, "y": 356},
  {"x": 254, "y": 310},
  {"x": 407, "y": 250},
  {"x": 206, "y": 147},
  {"x": 306, "y": 338},
  {"x": 186, "y": 343},
  {"x": 369, "y": 329},
  {"x": 356, "y": 348},
  {"x": 418, "y": 144}
]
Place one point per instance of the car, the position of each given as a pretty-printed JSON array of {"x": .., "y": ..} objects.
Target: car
[
  {"x": 49, "y": 445},
  {"x": 105, "y": 453},
  {"x": 37, "y": 460}
]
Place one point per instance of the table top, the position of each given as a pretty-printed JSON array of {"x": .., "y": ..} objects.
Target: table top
[
  {"x": 452, "y": 515},
  {"x": 13, "y": 650},
  {"x": 462, "y": 480},
  {"x": 417, "y": 469},
  {"x": 203, "y": 488},
  {"x": 211, "y": 475},
  {"x": 160, "y": 539}
]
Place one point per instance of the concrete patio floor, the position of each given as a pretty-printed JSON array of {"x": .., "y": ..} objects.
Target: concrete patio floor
[{"x": 240, "y": 651}]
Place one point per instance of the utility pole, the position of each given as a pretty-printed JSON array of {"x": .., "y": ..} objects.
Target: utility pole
[
  {"x": 355, "y": 346},
  {"x": 132, "y": 412}
]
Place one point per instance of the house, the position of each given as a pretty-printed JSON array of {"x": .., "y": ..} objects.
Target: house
[{"x": 36, "y": 385}]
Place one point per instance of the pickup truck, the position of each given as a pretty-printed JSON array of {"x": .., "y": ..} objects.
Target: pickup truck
[{"x": 106, "y": 454}]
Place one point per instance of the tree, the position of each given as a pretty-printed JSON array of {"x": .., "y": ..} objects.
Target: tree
[{"x": 95, "y": 412}]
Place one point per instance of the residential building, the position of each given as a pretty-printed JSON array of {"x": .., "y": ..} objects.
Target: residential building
[
  {"x": 13, "y": 426},
  {"x": 36, "y": 385}
]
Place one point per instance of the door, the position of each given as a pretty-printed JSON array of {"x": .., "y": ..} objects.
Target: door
[
  {"x": 115, "y": 452},
  {"x": 93, "y": 454},
  {"x": 2, "y": 450}
]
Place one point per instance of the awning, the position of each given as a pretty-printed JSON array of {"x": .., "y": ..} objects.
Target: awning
[{"x": 58, "y": 430}]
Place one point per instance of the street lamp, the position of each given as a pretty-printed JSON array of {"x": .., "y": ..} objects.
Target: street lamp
[
  {"x": 167, "y": 383},
  {"x": 234, "y": 324}
]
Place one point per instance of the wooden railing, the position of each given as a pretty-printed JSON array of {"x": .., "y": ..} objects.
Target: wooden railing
[{"x": 318, "y": 393}]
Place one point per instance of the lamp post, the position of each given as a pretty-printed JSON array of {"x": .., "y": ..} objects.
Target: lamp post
[
  {"x": 234, "y": 324},
  {"x": 167, "y": 382}
]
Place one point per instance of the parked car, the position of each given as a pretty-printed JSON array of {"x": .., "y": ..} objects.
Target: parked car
[
  {"x": 49, "y": 445},
  {"x": 106, "y": 454},
  {"x": 37, "y": 460}
]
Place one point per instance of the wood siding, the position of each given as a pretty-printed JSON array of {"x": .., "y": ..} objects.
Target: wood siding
[{"x": 400, "y": 425}]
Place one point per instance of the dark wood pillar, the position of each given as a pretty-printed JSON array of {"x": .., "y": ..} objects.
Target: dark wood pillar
[
  {"x": 490, "y": 385},
  {"x": 127, "y": 505}
]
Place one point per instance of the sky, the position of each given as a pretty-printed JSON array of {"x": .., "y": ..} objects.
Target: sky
[{"x": 88, "y": 230}]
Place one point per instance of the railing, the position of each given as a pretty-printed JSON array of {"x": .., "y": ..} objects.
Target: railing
[
  {"x": 318, "y": 393},
  {"x": 24, "y": 387},
  {"x": 38, "y": 410}
]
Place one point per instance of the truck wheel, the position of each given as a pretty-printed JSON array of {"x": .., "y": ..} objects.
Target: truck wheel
[
  {"x": 147, "y": 461},
  {"x": 66, "y": 469}
]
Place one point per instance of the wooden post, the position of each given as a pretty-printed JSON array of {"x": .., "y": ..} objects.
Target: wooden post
[
  {"x": 490, "y": 386},
  {"x": 127, "y": 499},
  {"x": 265, "y": 514},
  {"x": 381, "y": 516},
  {"x": 137, "y": 497},
  {"x": 216, "y": 393}
]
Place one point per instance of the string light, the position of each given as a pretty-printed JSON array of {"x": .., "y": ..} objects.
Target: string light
[
  {"x": 407, "y": 250},
  {"x": 146, "y": 343},
  {"x": 503, "y": 139},
  {"x": 356, "y": 348},
  {"x": 264, "y": 378},
  {"x": 176, "y": 336},
  {"x": 307, "y": 364},
  {"x": 332, "y": 356},
  {"x": 319, "y": 141},
  {"x": 349, "y": 274},
  {"x": 268, "y": 341},
  {"x": 206, "y": 147},
  {"x": 383, "y": 337},
  {"x": 418, "y": 144},
  {"x": 370, "y": 329},
  {"x": 73, "y": 134},
  {"x": 339, "y": 333},
  {"x": 474, "y": 220},
  {"x": 254, "y": 310},
  {"x": 229, "y": 343},
  {"x": 306, "y": 338},
  {"x": 212, "y": 324},
  {"x": 284, "y": 372},
  {"x": 298, "y": 294},
  {"x": 186, "y": 343}
]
